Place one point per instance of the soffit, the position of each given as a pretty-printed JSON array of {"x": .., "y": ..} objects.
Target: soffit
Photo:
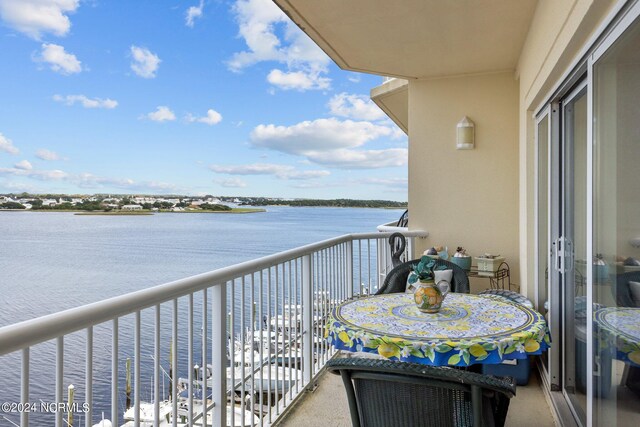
[
  {"x": 393, "y": 98},
  {"x": 416, "y": 38}
]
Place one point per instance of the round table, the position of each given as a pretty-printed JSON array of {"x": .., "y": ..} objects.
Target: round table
[
  {"x": 468, "y": 329},
  {"x": 619, "y": 329}
]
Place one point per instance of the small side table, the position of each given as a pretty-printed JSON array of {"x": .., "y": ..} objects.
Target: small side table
[{"x": 497, "y": 278}]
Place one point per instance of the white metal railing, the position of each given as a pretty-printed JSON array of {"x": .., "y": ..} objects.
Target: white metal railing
[{"x": 261, "y": 342}]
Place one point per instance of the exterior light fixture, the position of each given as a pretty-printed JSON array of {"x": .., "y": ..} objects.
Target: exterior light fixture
[{"x": 465, "y": 134}]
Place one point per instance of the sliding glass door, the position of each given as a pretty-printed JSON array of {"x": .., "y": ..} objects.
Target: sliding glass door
[
  {"x": 616, "y": 228},
  {"x": 572, "y": 247},
  {"x": 588, "y": 231}
]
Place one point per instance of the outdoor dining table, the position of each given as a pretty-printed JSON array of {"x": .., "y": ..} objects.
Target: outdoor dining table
[
  {"x": 469, "y": 329},
  {"x": 619, "y": 331}
]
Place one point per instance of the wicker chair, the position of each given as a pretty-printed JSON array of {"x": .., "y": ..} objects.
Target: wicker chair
[
  {"x": 621, "y": 291},
  {"x": 397, "y": 244},
  {"x": 384, "y": 393},
  {"x": 396, "y": 280},
  {"x": 508, "y": 295}
]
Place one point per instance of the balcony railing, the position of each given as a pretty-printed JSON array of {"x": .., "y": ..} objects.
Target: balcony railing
[{"x": 248, "y": 339}]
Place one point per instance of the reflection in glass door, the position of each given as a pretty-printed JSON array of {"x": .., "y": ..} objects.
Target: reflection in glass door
[
  {"x": 573, "y": 248},
  {"x": 616, "y": 231}
]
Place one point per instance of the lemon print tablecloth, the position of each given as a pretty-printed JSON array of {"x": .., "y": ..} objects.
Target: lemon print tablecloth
[
  {"x": 619, "y": 330},
  {"x": 468, "y": 329}
]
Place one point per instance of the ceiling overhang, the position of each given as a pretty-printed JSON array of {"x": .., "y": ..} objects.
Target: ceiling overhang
[
  {"x": 393, "y": 98},
  {"x": 416, "y": 38}
]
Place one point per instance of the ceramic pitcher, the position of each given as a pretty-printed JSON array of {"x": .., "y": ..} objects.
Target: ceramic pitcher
[{"x": 429, "y": 295}]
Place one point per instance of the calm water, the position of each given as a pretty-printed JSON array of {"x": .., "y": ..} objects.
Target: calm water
[
  {"x": 54, "y": 261},
  {"x": 69, "y": 260}
]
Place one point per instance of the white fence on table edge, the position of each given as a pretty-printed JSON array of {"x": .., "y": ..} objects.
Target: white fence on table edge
[{"x": 260, "y": 344}]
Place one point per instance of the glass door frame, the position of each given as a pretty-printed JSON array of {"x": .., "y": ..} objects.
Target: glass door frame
[
  {"x": 565, "y": 249},
  {"x": 551, "y": 373},
  {"x": 583, "y": 73}
]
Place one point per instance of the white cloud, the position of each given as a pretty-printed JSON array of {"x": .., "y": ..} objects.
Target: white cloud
[
  {"x": 271, "y": 36},
  {"x": 145, "y": 63},
  {"x": 331, "y": 142},
  {"x": 43, "y": 175},
  {"x": 58, "y": 59},
  {"x": 88, "y": 180},
  {"x": 86, "y": 102},
  {"x": 194, "y": 12},
  {"x": 232, "y": 183},
  {"x": 352, "y": 106},
  {"x": 20, "y": 187},
  {"x": 354, "y": 78},
  {"x": 47, "y": 155},
  {"x": 401, "y": 183},
  {"x": 24, "y": 165},
  {"x": 35, "y": 17},
  {"x": 7, "y": 146},
  {"x": 361, "y": 159},
  {"x": 212, "y": 118},
  {"x": 279, "y": 171},
  {"x": 317, "y": 135},
  {"x": 298, "y": 80},
  {"x": 162, "y": 114}
]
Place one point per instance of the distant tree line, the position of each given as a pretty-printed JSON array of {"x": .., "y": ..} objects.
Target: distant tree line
[
  {"x": 86, "y": 205},
  {"x": 11, "y": 205},
  {"x": 214, "y": 207},
  {"x": 341, "y": 203}
]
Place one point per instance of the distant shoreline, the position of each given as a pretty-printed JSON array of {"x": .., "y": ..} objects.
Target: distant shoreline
[{"x": 234, "y": 211}]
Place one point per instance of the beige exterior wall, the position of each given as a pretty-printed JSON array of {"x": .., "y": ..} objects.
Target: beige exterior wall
[
  {"x": 465, "y": 197},
  {"x": 559, "y": 34}
]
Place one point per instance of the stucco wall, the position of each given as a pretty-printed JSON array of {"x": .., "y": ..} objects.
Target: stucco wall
[{"x": 465, "y": 197}]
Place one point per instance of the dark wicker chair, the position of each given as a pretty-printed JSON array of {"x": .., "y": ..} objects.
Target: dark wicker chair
[
  {"x": 397, "y": 244},
  {"x": 508, "y": 296},
  {"x": 384, "y": 393},
  {"x": 621, "y": 291},
  {"x": 396, "y": 280}
]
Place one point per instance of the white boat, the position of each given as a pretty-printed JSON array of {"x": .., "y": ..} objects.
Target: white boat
[
  {"x": 166, "y": 417},
  {"x": 147, "y": 414},
  {"x": 270, "y": 378},
  {"x": 250, "y": 419}
]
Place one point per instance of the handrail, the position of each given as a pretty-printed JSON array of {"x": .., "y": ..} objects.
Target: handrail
[
  {"x": 29, "y": 332},
  {"x": 391, "y": 227}
]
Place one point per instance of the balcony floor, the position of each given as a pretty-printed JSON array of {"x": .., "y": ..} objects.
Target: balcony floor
[{"x": 328, "y": 406}]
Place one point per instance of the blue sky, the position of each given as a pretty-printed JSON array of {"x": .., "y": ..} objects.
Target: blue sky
[{"x": 190, "y": 97}]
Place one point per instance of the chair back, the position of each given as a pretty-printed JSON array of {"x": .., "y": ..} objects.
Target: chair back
[
  {"x": 396, "y": 280},
  {"x": 622, "y": 288},
  {"x": 397, "y": 243},
  {"x": 385, "y": 393}
]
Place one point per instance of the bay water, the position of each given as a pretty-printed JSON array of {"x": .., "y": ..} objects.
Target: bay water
[{"x": 51, "y": 261}]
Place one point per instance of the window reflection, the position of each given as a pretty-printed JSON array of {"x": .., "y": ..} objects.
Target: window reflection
[{"x": 616, "y": 268}]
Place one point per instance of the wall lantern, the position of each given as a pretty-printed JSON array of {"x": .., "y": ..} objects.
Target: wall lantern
[{"x": 465, "y": 134}]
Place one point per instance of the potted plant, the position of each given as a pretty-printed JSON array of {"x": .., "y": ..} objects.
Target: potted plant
[
  {"x": 461, "y": 259},
  {"x": 428, "y": 295}
]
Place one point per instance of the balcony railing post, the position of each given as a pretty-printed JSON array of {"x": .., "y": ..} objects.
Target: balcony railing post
[
  {"x": 219, "y": 357},
  {"x": 307, "y": 319},
  {"x": 24, "y": 389},
  {"x": 349, "y": 272}
]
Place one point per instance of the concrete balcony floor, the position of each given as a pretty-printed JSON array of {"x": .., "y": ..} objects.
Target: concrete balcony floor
[{"x": 327, "y": 406}]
